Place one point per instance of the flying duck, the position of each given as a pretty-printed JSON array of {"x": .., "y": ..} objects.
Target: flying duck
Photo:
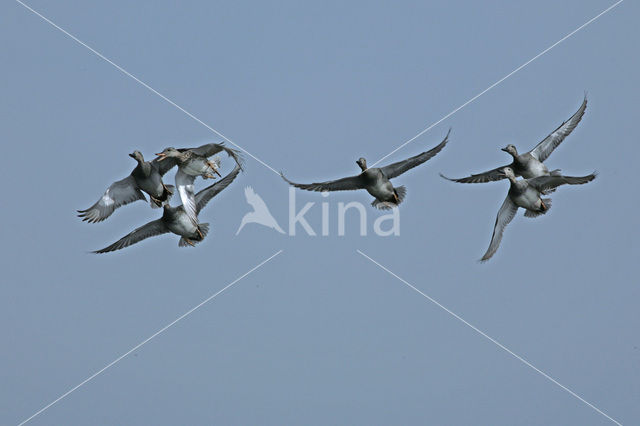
[
  {"x": 375, "y": 180},
  {"x": 193, "y": 162},
  {"x": 530, "y": 164},
  {"x": 526, "y": 193},
  {"x": 175, "y": 220},
  {"x": 146, "y": 177}
]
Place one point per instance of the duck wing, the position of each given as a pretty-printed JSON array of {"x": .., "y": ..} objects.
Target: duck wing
[
  {"x": 344, "y": 184},
  {"x": 204, "y": 196},
  {"x": 184, "y": 183},
  {"x": 210, "y": 149},
  {"x": 489, "y": 176},
  {"x": 546, "y": 184},
  {"x": 122, "y": 192},
  {"x": 396, "y": 169},
  {"x": 151, "y": 229},
  {"x": 543, "y": 150},
  {"x": 505, "y": 215}
]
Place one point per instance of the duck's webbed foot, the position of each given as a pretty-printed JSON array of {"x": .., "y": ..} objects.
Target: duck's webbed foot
[
  {"x": 156, "y": 201},
  {"x": 395, "y": 198},
  {"x": 214, "y": 168},
  {"x": 200, "y": 233},
  {"x": 188, "y": 241},
  {"x": 543, "y": 206},
  {"x": 166, "y": 188}
]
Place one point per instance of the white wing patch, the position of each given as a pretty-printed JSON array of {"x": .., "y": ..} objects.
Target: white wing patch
[
  {"x": 106, "y": 199},
  {"x": 184, "y": 182}
]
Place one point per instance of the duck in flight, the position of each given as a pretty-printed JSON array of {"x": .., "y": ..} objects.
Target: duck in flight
[
  {"x": 146, "y": 177},
  {"x": 375, "y": 180},
  {"x": 526, "y": 193},
  {"x": 194, "y": 162},
  {"x": 530, "y": 164},
  {"x": 176, "y": 220}
]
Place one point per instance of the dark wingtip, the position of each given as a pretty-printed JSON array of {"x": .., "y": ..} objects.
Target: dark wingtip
[{"x": 444, "y": 177}]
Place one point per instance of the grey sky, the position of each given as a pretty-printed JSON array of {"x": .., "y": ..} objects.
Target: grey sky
[{"x": 320, "y": 335}]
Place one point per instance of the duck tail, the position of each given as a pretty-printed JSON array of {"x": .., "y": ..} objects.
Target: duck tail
[
  {"x": 383, "y": 205},
  {"x": 547, "y": 203},
  {"x": 204, "y": 228},
  {"x": 184, "y": 242},
  {"x": 400, "y": 192}
]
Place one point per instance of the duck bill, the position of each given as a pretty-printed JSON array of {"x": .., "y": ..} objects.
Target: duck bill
[
  {"x": 504, "y": 149},
  {"x": 161, "y": 156}
]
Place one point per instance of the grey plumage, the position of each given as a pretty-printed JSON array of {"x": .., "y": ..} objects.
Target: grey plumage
[
  {"x": 526, "y": 193},
  {"x": 375, "y": 180},
  {"x": 175, "y": 220},
  {"x": 194, "y": 162},
  {"x": 145, "y": 177},
  {"x": 530, "y": 164}
]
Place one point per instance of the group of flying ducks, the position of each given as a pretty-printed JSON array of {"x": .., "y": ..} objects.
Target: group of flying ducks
[
  {"x": 537, "y": 181},
  {"x": 146, "y": 177}
]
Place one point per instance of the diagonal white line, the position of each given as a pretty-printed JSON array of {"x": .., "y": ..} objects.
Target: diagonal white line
[
  {"x": 491, "y": 339},
  {"x": 151, "y": 89},
  {"x": 499, "y": 81},
  {"x": 162, "y": 330}
]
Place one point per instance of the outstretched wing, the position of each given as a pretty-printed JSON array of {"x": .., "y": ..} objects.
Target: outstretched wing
[
  {"x": 344, "y": 184},
  {"x": 547, "y": 184},
  {"x": 204, "y": 196},
  {"x": 505, "y": 215},
  {"x": 153, "y": 228},
  {"x": 551, "y": 142},
  {"x": 184, "y": 183},
  {"x": 490, "y": 176},
  {"x": 167, "y": 163},
  {"x": 396, "y": 169},
  {"x": 122, "y": 192},
  {"x": 210, "y": 149}
]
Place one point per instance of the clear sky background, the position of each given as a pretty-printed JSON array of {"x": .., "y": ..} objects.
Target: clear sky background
[{"x": 320, "y": 335}]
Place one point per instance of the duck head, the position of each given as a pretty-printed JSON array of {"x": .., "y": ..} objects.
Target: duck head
[
  {"x": 362, "y": 163},
  {"x": 168, "y": 152},
  {"x": 510, "y": 149},
  {"x": 137, "y": 155},
  {"x": 508, "y": 172}
]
